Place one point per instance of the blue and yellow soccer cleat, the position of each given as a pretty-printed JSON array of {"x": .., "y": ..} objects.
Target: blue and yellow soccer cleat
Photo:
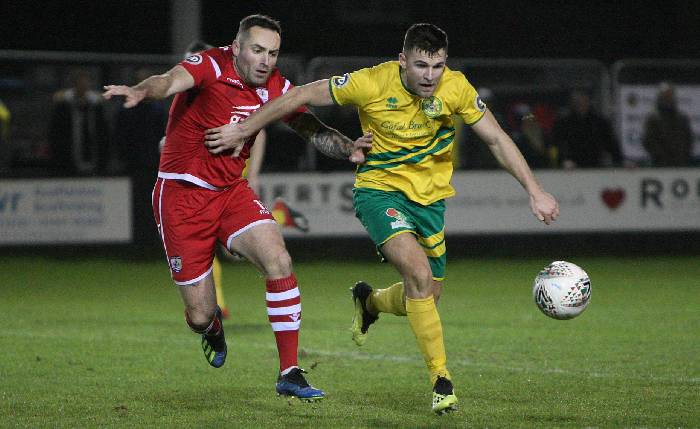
[
  {"x": 293, "y": 384},
  {"x": 362, "y": 318},
  {"x": 444, "y": 399},
  {"x": 214, "y": 346}
]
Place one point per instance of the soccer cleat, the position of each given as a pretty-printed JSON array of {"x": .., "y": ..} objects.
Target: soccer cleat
[
  {"x": 214, "y": 346},
  {"x": 362, "y": 318},
  {"x": 288, "y": 217},
  {"x": 293, "y": 384},
  {"x": 444, "y": 399}
]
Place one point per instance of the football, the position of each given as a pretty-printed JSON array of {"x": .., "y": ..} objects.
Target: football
[{"x": 562, "y": 290}]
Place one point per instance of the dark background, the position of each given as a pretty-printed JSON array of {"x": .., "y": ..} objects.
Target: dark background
[{"x": 606, "y": 31}]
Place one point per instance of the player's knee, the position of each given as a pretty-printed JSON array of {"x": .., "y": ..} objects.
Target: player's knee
[
  {"x": 199, "y": 318},
  {"x": 422, "y": 279},
  {"x": 278, "y": 263}
]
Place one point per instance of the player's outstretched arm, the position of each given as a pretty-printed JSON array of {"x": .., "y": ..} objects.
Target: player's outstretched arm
[
  {"x": 542, "y": 204},
  {"x": 234, "y": 136},
  {"x": 156, "y": 87}
]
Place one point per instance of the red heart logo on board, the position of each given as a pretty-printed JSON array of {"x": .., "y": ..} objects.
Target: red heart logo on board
[{"x": 613, "y": 197}]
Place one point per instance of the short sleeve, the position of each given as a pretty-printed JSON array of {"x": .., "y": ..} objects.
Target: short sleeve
[
  {"x": 356, "y": 88},
  {"x": 470, "y": 106},
  {"x": 203, "y": 68}
]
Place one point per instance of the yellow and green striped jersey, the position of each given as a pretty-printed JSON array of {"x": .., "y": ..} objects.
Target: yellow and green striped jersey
[{"x": 412, "y": 144}]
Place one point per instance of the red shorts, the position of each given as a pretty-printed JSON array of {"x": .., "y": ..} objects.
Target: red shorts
[{"x": 191, "y": 219}]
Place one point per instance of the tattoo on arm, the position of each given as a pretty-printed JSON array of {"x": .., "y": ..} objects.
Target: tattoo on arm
[{"x": 327, "y": 140}]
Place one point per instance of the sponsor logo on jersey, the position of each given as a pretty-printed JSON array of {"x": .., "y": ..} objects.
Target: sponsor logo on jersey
[
  {"x": 263, "y": 94},
  {"x": 431, "y": 106},
  {"x": 239, "y": 113},
  {"x": 479, "y": 103},
  {"x": 340, "y": 81},
  {"x": 400, "y": 222},
  {"x": 391, "y": 103},
  {"x": 236, "y": 82},
  {"x": 263, "y": 209},
  {"x": 176, "y": 264},
  {"x": 194, "y": 59}
]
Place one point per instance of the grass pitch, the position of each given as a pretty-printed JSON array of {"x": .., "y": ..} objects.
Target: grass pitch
[{"x": 102, "y": 343}]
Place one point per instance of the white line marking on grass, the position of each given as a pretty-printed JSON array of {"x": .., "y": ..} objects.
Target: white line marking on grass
[
  {"x": 470, "y": 363},
  {"x": 186, "y": 340}
]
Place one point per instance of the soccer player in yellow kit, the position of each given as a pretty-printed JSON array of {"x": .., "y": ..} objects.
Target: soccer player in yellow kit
[{"x": 406, "y": 106}]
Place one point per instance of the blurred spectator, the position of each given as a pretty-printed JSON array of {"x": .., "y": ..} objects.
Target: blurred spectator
[
  {"x": 522, "y": 125},
  {"x": 528, "y": 136},
  {"x": 585, "y": 138},
  {"x": 137, "y": 133},
  {"x": 4, "y": 138},
  {"x": 78, "y": 132},
  {"x": 667, "y": 135}
]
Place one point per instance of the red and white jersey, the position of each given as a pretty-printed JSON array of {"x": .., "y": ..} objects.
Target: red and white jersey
[{"x": 219, "y": 97}]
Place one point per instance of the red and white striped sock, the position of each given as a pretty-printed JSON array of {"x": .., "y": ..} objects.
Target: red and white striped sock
[{"x": 284, "y": 312}]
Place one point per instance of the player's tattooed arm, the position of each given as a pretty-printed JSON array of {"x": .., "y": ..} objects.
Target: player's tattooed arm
[{"x": 327, "y": 140}]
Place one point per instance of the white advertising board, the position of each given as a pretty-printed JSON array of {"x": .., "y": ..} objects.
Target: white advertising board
[
  {"x": 493, "y": 202},
  {"x": 55, "y": 211}
]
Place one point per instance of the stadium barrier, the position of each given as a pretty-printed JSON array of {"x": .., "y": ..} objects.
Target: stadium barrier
[
  {"x": 494, "y": 203},
  {"x": 65, "y": 211},
  {"x": 644, "y": 200}
]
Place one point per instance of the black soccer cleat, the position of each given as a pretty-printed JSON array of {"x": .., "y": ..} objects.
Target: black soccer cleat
[
  {"x": 362, "y": 319},
  {"x": 444, "y": 399}
]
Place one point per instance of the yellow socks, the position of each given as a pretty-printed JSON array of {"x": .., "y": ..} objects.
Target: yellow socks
[
  {"x": 389, "y": 300},
  {"x": 425, "y": 323}
]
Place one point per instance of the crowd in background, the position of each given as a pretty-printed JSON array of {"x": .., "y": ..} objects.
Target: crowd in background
[{"x": 85, "y": 136}]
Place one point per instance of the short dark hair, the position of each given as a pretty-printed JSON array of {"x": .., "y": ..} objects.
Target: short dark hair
[
  {"x": 426, "y": 38},
  {"x": 258, "y": 20}
]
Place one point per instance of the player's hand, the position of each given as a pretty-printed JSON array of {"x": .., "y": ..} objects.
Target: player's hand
[
  {"x": 132, "y": 96},
  {"x": 544, "y": 207},
  {"x": 360, "y": 147},
  {"x": 223, "y": 138}
]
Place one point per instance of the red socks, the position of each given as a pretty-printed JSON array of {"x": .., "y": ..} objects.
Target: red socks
[{"x": 284, "y": 313}]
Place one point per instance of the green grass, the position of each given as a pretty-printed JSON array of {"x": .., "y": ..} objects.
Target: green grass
[{"x": 102, "y": 343}]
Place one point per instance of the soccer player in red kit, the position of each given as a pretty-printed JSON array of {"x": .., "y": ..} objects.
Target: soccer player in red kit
[{"x": 200, "y": 198}]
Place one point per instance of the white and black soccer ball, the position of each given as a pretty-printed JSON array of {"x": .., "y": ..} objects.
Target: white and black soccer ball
[{"x": 562, "y": 290}]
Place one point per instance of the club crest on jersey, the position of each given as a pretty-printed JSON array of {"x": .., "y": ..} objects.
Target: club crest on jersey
[
  {"x": 263, "y": 94},
  {"x": 341, "y": 81},
  {"x": 431, "y": 106},
  {"x": 195, "y": 59},
  {"x": 400, "y": 222},
  {"x": 176, "y": 264},
  {"x": 479, "y": 103}
]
